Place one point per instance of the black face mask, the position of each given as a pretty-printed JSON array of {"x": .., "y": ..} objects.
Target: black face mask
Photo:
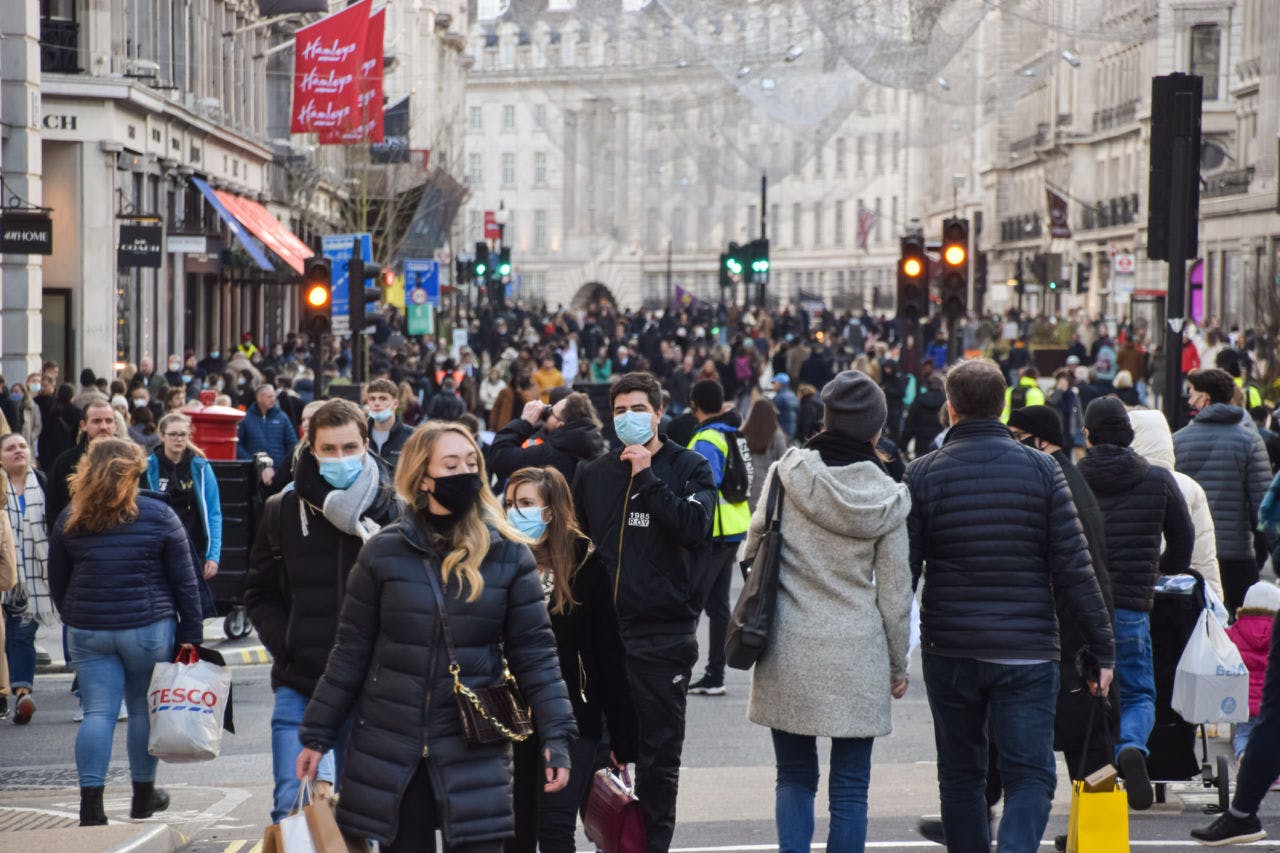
[
  {"x": 1030, "y": 441},
  {"x": 457, "y": 492}
]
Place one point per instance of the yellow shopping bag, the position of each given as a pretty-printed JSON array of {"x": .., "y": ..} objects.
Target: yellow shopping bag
[{"x": 1099, "y": 820}]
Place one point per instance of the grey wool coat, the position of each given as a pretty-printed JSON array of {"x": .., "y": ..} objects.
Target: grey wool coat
[{"x": 844, "y": 600}]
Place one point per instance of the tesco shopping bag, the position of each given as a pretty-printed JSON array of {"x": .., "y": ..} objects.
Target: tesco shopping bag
[
  {"x": 188, "y": 701},
  {"x": 1211, "y": 684}
]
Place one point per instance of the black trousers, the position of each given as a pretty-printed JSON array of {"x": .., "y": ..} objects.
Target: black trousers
[
  {"x": 548, "y": 822},
  {"x": 1237, "y": 577},
  {"x": 658, "y": 671},
  {"x": 416, "y": 832},
  {"x": 720, "y": 567}
]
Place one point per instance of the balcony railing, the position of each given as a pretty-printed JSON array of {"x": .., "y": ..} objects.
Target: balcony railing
[
  {"x": 1234, "y": 182},
  {"x": 1023, "y": 227},
  {"x": 1115, "y": 116},
  {"x": 1121, "y": 210},
  {"x": 59, "y": 46}
]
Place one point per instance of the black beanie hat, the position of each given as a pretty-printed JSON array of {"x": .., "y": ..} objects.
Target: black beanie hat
[
  {"x": 1107, "y": 422},
  {"x": 1041, "y": 421}
]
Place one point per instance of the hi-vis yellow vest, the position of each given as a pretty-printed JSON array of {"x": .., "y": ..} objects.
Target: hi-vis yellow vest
[{"x": 730, "y": 519}]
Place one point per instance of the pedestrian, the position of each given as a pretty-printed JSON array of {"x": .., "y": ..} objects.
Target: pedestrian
[
  {"x": 1153, "y": 441},
  {"x": 1223, "y": 452},
  {"x": 97, "y": 421},
  {"x": 1140, "y": 503},
  {"x": 766, "y": 441},
  {"x": 730, "y": 520},
  {"x": 923, "y": 424},
  {"x": 844, "y": 606},
  {"x": 809, "y": 418},
  {"x": 28, "y": 606},
  {"x": 563, "y": 436},
  {"x": 483, "y": 609},
  {"x": 178, "y": 470},
  {"x": 122, "y": 579},
  {"x": 61, "y": 426},
  {"x": 895, "y": 388},
  {"x": 1025, "y": 392},
  {"x": 994, "y": 530},
  {"x": 29, "y": 420},
  {"x": 649, "y": 509},
  {"x": 266, "y": 429},
  {"x": 787, "y": 404},
  {"x": 142, "y": 429},
  {"x": 547, "y": 377},
  {"x": 592, "y": 660},
  {"x": 306, "y": 545},
  {"x": 9, "y": 580},
  {"x": 1251, "y": 632},
  {"x": 490, "y": 388},
  {"x": 387, "y": 434}
]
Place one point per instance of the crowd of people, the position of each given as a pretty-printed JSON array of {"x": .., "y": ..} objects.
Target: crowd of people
[{"x": 559, "y": 501}]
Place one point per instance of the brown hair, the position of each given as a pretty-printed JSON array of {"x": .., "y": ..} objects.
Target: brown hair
[
  {"x": 178, "y": 418},
  {"x": 1215, "y": 382},
  {"x": 975, "y": 389},
  {"x": 638, "y": 381},
  {"x": 761, "y": 425},
  {"x": 471, "y": 532},
  {"x": 578, "y": 407},
  {"x": 104, "y": 489},
  {"x": 383, "y": 386},
  {"x": 336, "y": 413},
  {"x": 556, "y": 551}
]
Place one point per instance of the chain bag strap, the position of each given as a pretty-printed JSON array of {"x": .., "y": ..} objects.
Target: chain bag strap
[{"x": 488, "y": 714}]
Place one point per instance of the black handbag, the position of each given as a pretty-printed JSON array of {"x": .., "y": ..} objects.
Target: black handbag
[
  {"x": 752, "y": 622},
  {"x": 488, "y": 714}
]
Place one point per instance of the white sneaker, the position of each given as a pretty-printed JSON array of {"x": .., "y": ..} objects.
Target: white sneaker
[
  {"x": 124, "y": 712},
  {"x": 78, "y": 716}
]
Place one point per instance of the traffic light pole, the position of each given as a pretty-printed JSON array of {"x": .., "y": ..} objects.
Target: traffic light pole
[
  {"x": 1175, "y": 310},
  {"x": 764, "y": 230}
]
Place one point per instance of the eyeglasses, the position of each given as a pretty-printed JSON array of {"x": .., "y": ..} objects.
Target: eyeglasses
[{"x": 182, "y": 435}]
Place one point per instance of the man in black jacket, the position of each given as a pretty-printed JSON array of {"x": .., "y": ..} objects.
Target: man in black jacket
[
  {"x": 995, "y": 535},
  {"x": 97, "y": 421},
  {"x": 1140, "y": 502},
  {"x": 306, "y": 545},
  {"x": 387, "y": 433},
  {"x": 570, "y": 436},
  {"x": 648, "y": 509}
]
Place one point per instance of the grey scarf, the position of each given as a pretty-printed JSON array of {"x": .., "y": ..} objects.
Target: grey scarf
[{"x": 344, "y": 508}]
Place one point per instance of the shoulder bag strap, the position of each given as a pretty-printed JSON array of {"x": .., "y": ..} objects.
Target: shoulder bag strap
[
  {"x": 773, "y": 507},
  {"x": 434, "y": 579}
]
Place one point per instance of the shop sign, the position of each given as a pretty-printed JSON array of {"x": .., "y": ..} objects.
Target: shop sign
[
  {"x": 26, "y": 232},
  {"x": 140, "y": 246}
]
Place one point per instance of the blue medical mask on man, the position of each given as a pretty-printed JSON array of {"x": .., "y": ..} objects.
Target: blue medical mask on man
[
  {"x": 341, "y": 471},
  {"x": 528, "y": 520},
  {"x": 633, "y": 427},
  {"x": 382, "y": 416}
]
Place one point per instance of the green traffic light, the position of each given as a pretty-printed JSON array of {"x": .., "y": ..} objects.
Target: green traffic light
[
  {"x": 734, "y": 266},
  {"x": 480, "y": 269},
  {"x": 504, "y": 269},
  {"x": 1053, "y": 285}
]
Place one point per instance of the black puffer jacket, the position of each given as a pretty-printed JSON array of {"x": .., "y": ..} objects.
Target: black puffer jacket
[
  {"x": 995, "y": 534},
  {"x": 1139, "y": 502},
  {"x": 298, "y": 571},
  {"x": 390, "y": 667},
  {"x": 390, "y": 450},
  {"x": 1228, "y": 458},
  {"x": 562, "y": 449},
  {"x": 923, "y": 423}
]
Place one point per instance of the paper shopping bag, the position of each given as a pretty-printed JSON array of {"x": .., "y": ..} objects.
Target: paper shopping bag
[
  {"x": 312, "y": 828},
  {"x": 271, "y": 840},
  {"x": 1099, "y": 821}
]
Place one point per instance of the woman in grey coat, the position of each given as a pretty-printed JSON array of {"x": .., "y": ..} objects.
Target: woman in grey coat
[{"x": 840, "y": 638}]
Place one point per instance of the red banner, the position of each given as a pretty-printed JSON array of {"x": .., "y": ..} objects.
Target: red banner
[
  {"x": 492, "y": 230},
  {"x": 368, "y": 128},
  {"x": 326, "y": 71}
]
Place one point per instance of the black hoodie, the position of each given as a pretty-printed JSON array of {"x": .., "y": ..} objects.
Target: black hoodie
[
  {"x": 563, "y": 449},
  {"x": 1139, "y": 502}
]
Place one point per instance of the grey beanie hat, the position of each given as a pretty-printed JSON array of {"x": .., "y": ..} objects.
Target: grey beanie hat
[{"x": 854, "y": 405}]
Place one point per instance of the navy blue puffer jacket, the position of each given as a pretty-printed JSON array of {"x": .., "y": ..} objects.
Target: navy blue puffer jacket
[
  {"x": 128, "y": 576},
  {"x": 995, "y": 534},
  {"x": 272, "y": 434}
]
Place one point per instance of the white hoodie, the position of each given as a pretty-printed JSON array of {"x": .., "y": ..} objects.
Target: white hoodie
[{"x": 1153, "y": 441}]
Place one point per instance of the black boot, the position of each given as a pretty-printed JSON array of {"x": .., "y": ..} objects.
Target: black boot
[
  {"x": 147, "y": 800},
  {"x": 91, "y": 811}
]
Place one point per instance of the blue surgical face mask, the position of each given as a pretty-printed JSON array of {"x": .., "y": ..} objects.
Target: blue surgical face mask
[
  {"x": 34, "y": 387},
  {"x": 214, "y": 354},
  {"x": 341, "y": 471},
  {"x": 528, "y": 520},
  {"x": 381, "y": 416},
  {"x": 633, "y": 427}
]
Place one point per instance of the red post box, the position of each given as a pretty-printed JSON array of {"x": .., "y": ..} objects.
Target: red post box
[{"x": 213, "y": 428}]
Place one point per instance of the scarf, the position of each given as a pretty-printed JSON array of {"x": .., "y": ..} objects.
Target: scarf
[
  {"x": 344, "y": 508},
  {"x": 838, "y": 450},
  {"x": 32, "y": 549}
]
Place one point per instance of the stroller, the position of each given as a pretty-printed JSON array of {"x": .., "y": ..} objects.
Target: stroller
[{"x": 1172, "y": 745}]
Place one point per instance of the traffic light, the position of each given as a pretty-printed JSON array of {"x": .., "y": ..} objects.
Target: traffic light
[
  {"x": 316, "y": 310},
  {"x": 913, "y": 280},
  {"x": 954, "y": 287},
  {"x": 758, "y": 261},
  {"x": 504, "y": 263},
  {"x": 734, "y": 262},
  {"x": 480, "y": 266},
  {"x": 461, "y": 272},
  {"x": 360, "y": 296}
]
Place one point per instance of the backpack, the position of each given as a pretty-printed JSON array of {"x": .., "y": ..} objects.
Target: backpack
[
  {"x": 1018, "y": 398},
  {"x": 738, "y": 472}
]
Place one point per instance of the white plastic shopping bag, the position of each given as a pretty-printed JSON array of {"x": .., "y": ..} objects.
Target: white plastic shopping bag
[
  {"x": 188, "y": 699},
  {"x": 1211, "y": 684}
]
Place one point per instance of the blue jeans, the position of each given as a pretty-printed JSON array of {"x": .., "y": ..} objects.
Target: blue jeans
[
  {"x": 1240, "y": 739},
  {"x": 286, "y": 718},
  {"x": 114, "y": 665},
  {"x": 1020, "y": 702},
  {"x": 20, "y": 650},
  {"x": 1135, "y": 679},
  {"x": 797, "y": 758}
]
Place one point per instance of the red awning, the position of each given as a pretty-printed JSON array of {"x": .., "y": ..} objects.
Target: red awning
[{"x": 271, "y": 231}]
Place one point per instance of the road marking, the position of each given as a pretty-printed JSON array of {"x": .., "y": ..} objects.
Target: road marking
[
  {"x": 234, "y": 846},
  {"x": 246, "y": 657}
]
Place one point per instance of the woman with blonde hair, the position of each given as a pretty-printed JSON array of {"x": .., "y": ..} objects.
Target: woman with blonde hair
[
  {"x": 178, "y": 470},
  {"x": 580, "y": 600},
  {"x": 443, "y": 601},
  {"x": 27, "y": 606},
  {"x": 122, "y": 578}
]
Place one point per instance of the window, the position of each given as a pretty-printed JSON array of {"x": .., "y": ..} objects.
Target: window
[
  {"x": 893, "y": 150},
  {"x": 509, "y": 118},
  {"x": 540, "y": 116},
  {"x": 818, "y": 156},
  {"x": 879, "y": 218},
  {"x": 540, "y": 168},
  {"x": 817, "y": 223},
  {"x": 475, "y": 226},
  {"x": 1205, "y": 47},
  {"x": 775, "y": 219},
  {"x": 508, "y": 170},
  {"x": 879, "y": 153},
  {"x": 795, "y": 224},
  {"x": 752, "y": 218},
  {"x": 540, "y": 231},
  {"x": 838, "y": 225},
  {"x": 840, "y": 156},
  {"x": 860, "y": 155},
  {"x": 475, "y": 170},
  {"x": 477, "y": 118},
  {"x": 797, "y": 157}
]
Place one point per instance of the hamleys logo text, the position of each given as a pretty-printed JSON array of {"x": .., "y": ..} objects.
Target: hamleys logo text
[
  {"x": 327, "y": 117},
  {"x": 330, "y": 84},
  {"x": 335, "y": 52}
]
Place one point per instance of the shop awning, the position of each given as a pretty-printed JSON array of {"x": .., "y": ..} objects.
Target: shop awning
[{"x": 247, "y": 217}]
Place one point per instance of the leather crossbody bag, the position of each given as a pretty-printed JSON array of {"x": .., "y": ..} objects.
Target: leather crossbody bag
[{"x": 488, "y": 714}]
